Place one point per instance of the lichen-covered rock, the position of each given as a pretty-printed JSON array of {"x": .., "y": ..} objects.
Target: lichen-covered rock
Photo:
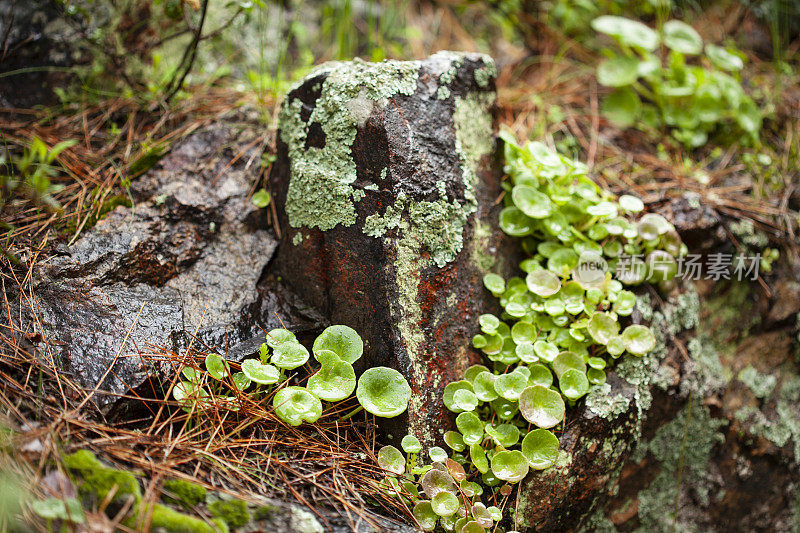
[{"x": 385, "y": 190}]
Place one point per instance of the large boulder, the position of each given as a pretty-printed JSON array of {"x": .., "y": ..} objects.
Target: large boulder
[{"x": 386, "y": 185}]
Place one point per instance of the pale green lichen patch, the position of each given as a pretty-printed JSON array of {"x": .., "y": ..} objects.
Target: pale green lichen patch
[
  {"x": 438, "y": 225},
  {"x": 486, "y": 73},
  {"x": 321, "y": 192},
  {"x": 602, "y": 403},
  {"x": 683, "y": 448},
  {"x": 781, "y": 426},
  {"x": 761, "y": 385},
  {"x": 376, "y": 225},
  {"x": 443, "y": 93},
  {"x": 481, "y": 244}
]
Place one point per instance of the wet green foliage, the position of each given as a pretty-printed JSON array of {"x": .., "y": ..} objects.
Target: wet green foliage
[
  {"x": 693, "y": 89},
  {"x": 562, "y": 325},
  {"x": 381, "y": 391}
]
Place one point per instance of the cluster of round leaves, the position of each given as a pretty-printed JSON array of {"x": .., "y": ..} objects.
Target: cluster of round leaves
[
  {"x": 692, "y": 100},
  {"x": 559, "y": 329},
  {"x": 442, "y": 493},
  {"x": 381, "y": 391}
]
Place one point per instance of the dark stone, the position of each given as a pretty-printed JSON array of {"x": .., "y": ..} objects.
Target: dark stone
[
  {"x": 395, "y": 138},
  {"x": 182, "y": 267},
  {"x": 36, "y": 36}
]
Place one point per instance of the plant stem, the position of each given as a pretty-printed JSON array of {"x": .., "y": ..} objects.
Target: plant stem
[{"x": 351, "y": 413}]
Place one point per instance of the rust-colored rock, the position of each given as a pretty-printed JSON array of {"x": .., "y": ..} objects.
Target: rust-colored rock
[{"x": 385, "y": 186}]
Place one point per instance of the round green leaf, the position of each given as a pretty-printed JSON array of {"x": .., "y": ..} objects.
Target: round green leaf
[
  {"x": 510, "y": 385},
  {"x": 471, "y": 428},
  {"x": 505, "y": 435},
  {"x": 619, "y": 71},
  {"x": 568, "y": 361},
  {"x": 383, "y": 392},
  {"x": 294, "y": 405},
  {"x": 333, "y": 382},
  {"x": 723, "y": 59},
  {"x": 540, "y": 448},
  {"x": 602, "y": 327},
  {"x": 541, "y": 406},
  {"x": 573, "y": 384},
  {"x": 540, "y": 375},
  {"x": 68, "y": 509},
  {"x": 259, "y": 372},
  {"x": 342, "y": 340},
  {"x": 478, "y": 457},
  {"x": 279, "y": 336},
  {"x": 444, "y": 504},
  {"x": 547, "y": 351},
  {"x": 192, "y": 374},
  {"x": 495, "y": 283},
  {"x": 483, "y": 386},
  {"x": 510, "y": 466},
  {"x": 596, "y": 376},
  {"x": 289, "y": 355},
  {"x": 465, "y": 400},
  {"x": 411, "y": 444},
  {"x": 424, "y": 515},
  {"x": 530, "y": 201},
  {"x": 626, "y": 31},
  {"x": 216, "y": 366},
  {"x": 241, "y": 380},
  {"x": 391, "y": 459},
  {"x": 631, "y": 203},
  {"x": 543, "y": 283},
  {"x": 681, "y": 37},
  {"x": 638, "y": 339},
  {"x": 450, "y": 390},
  {"x": 516, "y": 223}
]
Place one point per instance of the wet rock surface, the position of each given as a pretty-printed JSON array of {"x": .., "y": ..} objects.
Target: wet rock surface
[
  {"x": 181, "y": 267},
  {"x": 385, "y": 186}
]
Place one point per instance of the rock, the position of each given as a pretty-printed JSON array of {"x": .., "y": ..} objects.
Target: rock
[
  {"x": 38, "y": 38},
  {"x": 698, "y": 224},
  {"x": 785, "y": 302},
  {"x": 182, "y": 267},
  {"x": 385, "y": 186}
]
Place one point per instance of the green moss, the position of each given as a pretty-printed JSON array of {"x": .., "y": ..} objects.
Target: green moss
[
  {"x": 99, "y": 480},
  {"x": 263, "y": 512},
  {"x": 166, "y": 519},
  {"x": 184, "y": 493},
  {"x": 761, "y": 385},
  {"x": 232, "y": 512},
  {"x": 321, "y": 192}
]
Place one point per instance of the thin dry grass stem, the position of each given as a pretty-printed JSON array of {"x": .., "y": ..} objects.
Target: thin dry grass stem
[{"x": 248, "y": 454}]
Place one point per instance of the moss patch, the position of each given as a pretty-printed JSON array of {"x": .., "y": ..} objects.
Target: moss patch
[
  {"x": 171, "y": 521},
  {"x": 99, "y": 480},
  {"x": 184, "y": 493},
  {"x": 232, "y": 512}
]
